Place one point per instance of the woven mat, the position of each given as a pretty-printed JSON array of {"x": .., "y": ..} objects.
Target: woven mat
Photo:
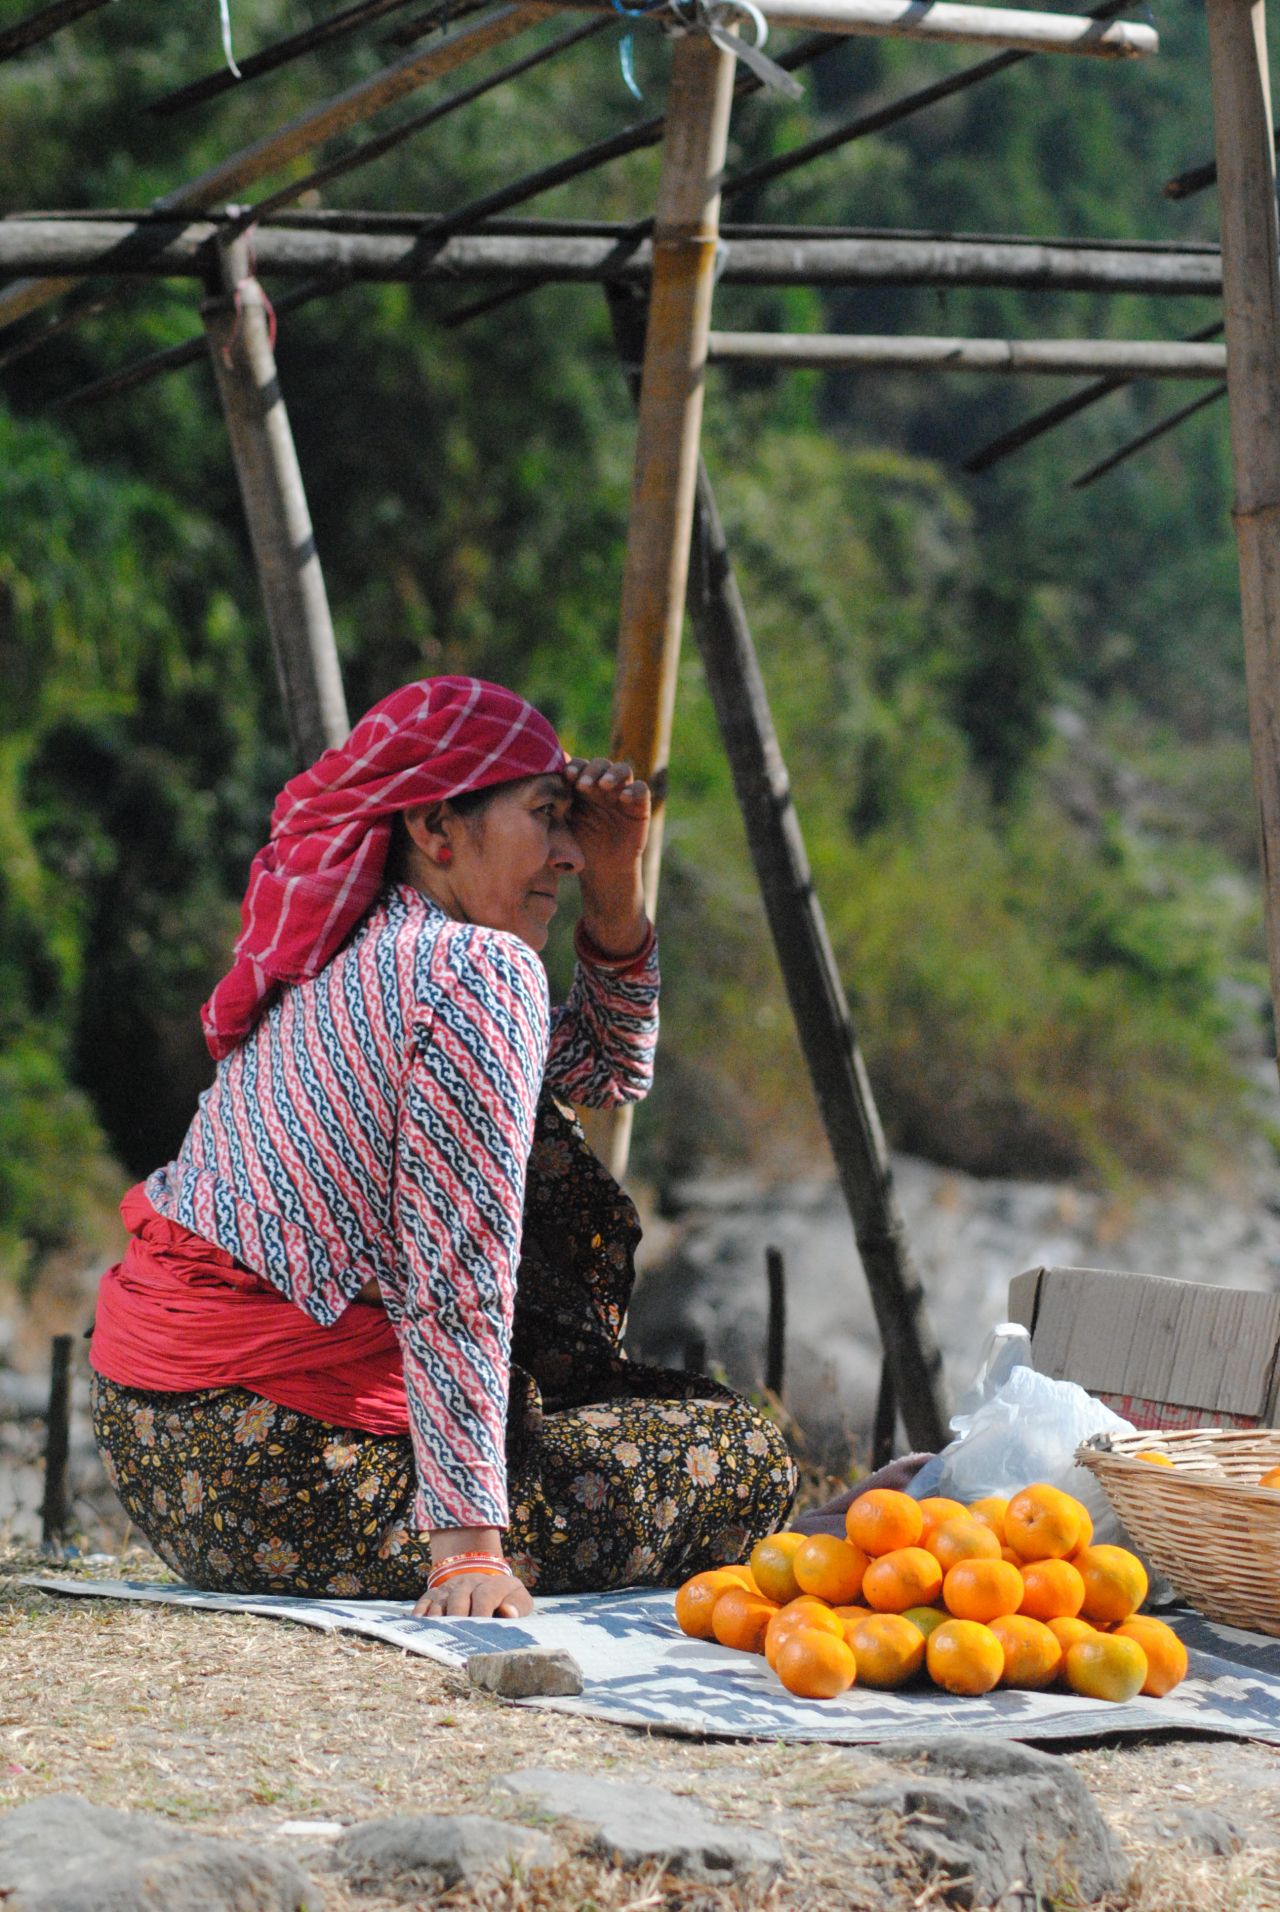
[{"x": 640, "y": 1670}]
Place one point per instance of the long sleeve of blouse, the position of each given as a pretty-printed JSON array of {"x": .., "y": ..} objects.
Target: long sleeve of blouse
[
  {"x": 476, "y": 1058},
  {"x": 478, "y": 1061}
]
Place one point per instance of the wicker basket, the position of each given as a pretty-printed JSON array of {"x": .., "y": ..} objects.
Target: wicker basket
[{"x": 1204, "y": 1522}]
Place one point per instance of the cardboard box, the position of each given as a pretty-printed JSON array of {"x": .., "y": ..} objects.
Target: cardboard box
[{"x": 1162, "y": 1353}]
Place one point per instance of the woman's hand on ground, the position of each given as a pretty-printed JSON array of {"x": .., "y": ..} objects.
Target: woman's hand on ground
[
  {"x": 610, "y": 820},
  {"x": 477, "y": 1596}
]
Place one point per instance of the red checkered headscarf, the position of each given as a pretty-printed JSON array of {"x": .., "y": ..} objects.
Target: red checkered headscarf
[{"x": 331, "y": 827}]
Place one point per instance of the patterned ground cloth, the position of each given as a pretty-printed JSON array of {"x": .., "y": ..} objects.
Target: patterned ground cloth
[{"x": 619, "y": 1475}]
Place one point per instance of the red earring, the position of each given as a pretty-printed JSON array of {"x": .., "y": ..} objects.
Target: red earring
[{"x": 444, "y": 856}]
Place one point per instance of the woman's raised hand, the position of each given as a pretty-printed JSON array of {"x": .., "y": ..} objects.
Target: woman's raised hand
[{"x": 610, "y": 820}]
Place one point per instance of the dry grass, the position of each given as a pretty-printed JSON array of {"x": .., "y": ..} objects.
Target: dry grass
[{"x": 240, "y": 1725}]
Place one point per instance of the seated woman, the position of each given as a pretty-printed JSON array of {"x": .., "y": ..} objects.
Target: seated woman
[{"x": 365, "y": 1340}]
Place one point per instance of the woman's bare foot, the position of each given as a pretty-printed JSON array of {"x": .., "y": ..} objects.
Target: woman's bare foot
[{"x": 829, "y": 1519}]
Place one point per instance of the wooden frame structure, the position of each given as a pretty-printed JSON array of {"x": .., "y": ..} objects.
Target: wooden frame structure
[{"x": 667, "y": 267}]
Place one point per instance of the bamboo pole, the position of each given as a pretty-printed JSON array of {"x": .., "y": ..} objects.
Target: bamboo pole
[
  {"x": 39, "y": 26},
  {"x": 301, "y": 246},
  {"x": 1057, "y": 414},
  {"x": 280, "y": 53},
  {"x": 308, "y": 130},
  {"x": 240, "y": 345},
  {"x": 55, "y": 1509},
  {"x": 665, "y": 471},
  {"x": 1244, "y": 138},
  {"x": 670, "y": 417},
  {"x": 1148, "y": 437},
  {"x": 1017, "y": 28},
  {"x": 1051, "y": 358},
  {"x": 813, "y": 985}
]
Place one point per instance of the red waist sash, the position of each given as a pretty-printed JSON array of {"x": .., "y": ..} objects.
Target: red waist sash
[{"x": 178, "y": 1314}]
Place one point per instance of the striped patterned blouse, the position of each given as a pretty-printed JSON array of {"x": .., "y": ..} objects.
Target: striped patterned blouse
[{"x": 377, "y": 1123}]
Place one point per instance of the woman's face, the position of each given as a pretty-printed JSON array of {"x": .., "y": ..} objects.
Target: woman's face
[{"x": 509, "y": 857}]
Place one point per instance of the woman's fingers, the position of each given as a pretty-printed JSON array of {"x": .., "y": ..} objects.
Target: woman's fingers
[{"x": 477, "y": 1597}]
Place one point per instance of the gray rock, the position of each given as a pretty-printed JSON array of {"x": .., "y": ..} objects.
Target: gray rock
[
  {"x": 1203, "y": 1829},
  {"x": 636, "y": 1825},
  {"x": 1004, "y": 1826},
  {"x": 440, "y": 1850},
  {"x": 60, "y": 1854},
  {"x": 526, "y": 1672}
]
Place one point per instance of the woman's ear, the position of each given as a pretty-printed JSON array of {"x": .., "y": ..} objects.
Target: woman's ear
[{"x": 426, "y": 827}]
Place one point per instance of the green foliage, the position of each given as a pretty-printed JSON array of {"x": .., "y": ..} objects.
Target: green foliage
[{"x": 1036, "y": 961}]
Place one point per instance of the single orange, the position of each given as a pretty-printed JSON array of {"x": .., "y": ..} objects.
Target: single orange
[
  {"x": 963, "y": 1539},
  {"x": 882, "y": 1520},
  {"x": 1166, "y": 1655},
  {"x": 742, "y": 1573},
  {"x": 1014, "y": 1559},
  {"x": 696, "y": 1601},
  {"x": 1115, "y": 1583},
  {"x": 1052, "y": 1590},
  {"x": 1043, "y": 1523},
  {"x": 888, "y": 1649},
  {"x": 1271, "y": 1479},
  {"x": 1069, "y": 1633},
  {"x": 934, "y": 1509},
  {"x": 739, "y": 1619},
  {"x": 1032, "y": 1655},
  {"x": 991, "y": 1512},
  {"x": 830, "y": 1568},
  {"x": 963, "y": 1657},
  {"x": 982, "y": 1589},
  {"x": 926, "y": 1618},
  {"x": 851, "y": 1610},
  {"x": 907, "y": 1577},
  {"x": 815, "y": 1666},
  {"x": 791, "y": 1619},
  {"x": 771, "y": 1563},
  {"x": 1158, "y": 1459},
  {"x": 1106, "y": 1667}
]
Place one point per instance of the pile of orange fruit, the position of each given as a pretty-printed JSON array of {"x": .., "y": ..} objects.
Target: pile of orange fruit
[{"x": 999, "y": 1593}]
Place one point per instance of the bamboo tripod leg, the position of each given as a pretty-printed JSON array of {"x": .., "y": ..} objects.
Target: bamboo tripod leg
[
  {"x": 239, "y": 335},
  {"x": 827, "y": 1037},
  {"x": 685, "y": 237},
  {"x": 1251, "y": 305}
]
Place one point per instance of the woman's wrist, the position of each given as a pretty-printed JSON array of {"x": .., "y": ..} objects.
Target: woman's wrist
[{"x": 447, "y": 1543}]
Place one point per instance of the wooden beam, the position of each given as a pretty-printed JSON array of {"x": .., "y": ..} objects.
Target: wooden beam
[
  {"x": 280, "y": 53},
  {"x": 1017, "y": 28},
  {"x": 1057, "y": 414},
  {"x": 814, "y": 989},
  {"x": 1244, "y": 139},
  {"x": 39, "y": 26},
  {"x": 1148, "y": 437},
  {"x": 1046, "y": 358},
  {"x": 308, "y": 130},
  {"x": 668, "y": 429},
  {"x": 299, "y": 247},
  {"x": 238, "y": 328},
  {"x": 669, "y": 424}
]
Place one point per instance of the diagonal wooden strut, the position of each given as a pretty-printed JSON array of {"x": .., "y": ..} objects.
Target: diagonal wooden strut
[{"x": 275, "y": 504}]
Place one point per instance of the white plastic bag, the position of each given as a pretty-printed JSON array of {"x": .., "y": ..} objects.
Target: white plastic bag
[{"x": 1014, "y": 1426}]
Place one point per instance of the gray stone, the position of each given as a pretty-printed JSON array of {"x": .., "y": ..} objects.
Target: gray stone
[
  {"x": 60, "y": 1854},
  {"x": 526, "y": 1672},
  {"x": 1203, "y": 1829},
  {"x": 1001, "y": 1824},
  {"x": 636, "y": 1825},
  {"x": 440, "y": 1850}
]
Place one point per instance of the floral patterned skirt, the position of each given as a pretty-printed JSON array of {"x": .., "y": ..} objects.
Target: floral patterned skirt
[{"x": 618, "y": 1474}]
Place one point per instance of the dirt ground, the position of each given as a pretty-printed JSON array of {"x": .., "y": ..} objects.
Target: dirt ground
[{"x": 243, "y": 1726}]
